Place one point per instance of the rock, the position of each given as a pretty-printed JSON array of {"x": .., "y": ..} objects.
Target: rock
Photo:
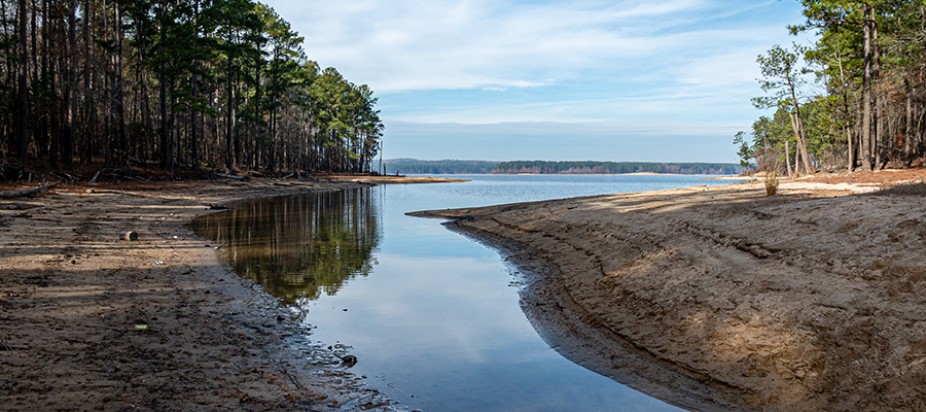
[{"x": 349, "y": 361}]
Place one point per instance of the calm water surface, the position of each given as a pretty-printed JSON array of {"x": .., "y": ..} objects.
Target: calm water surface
[{"x": 433, "y": 317}]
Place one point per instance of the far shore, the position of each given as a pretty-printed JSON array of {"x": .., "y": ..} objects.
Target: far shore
[{"x": 723, "y": 298}]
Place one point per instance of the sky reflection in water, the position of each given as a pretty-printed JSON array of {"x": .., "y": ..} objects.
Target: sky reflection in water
[{"x": 431, "y": 315}]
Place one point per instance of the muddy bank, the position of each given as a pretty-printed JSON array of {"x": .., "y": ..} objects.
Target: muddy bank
[
  {"x": 722, "y": 298},
  {"x": 89, "y": 321}
]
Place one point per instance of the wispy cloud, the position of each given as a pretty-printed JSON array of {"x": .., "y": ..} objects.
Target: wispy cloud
[{"x": 402, "y": 45}]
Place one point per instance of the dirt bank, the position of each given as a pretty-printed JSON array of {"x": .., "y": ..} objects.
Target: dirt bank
[
  {"x": 721, "y": 298},
  {"x": 89, "y": 321}
]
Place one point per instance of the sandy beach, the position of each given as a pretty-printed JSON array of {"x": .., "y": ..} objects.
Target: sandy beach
[
  {"x": 722, "y": 298},
  {"x": 91, "y": 321}
]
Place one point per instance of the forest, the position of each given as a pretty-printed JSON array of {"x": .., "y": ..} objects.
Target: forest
[
  {"x": 182, "y": 84},
  {"x": 854, "y": 100}
]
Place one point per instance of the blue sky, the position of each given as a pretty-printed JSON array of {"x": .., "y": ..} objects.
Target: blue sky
[{"x": 620, "y": 80}]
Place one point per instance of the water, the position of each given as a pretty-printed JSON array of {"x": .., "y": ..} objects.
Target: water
[{"x": 433, "y": 317}]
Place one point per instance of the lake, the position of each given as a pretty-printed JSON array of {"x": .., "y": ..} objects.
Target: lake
[{"x": 433, "y": 317}]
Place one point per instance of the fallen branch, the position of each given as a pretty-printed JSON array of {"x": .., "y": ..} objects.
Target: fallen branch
[
  {"x": 227, "y": 176},
  {"x": 27, "y": 192}
]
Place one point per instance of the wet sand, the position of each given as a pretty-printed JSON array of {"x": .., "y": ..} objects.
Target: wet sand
[
  {"x": 90, "y": 321},
  {"x": 721, "y": 298}
]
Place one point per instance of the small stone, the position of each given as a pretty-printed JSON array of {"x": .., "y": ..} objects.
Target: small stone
[{"x": 349, "y": 361}]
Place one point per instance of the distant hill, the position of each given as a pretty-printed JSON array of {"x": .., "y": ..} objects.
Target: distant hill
[{"x": 435, "y": 167}]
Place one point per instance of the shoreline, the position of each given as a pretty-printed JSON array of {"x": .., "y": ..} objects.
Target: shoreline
[
  {"x": 212, "y": 340},
  {"x": 722, "y": 298},
  {"x": 160, "y": 322}
]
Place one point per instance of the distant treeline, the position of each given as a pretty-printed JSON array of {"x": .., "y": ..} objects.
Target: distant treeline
[
  {"x": 412, "y": 166},
  {"x": 590, "y": 167},
  {"x": 439, "y": 167}
]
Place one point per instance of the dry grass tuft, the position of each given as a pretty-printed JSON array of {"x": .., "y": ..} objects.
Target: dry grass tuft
[{"x": 771, "y": 183}]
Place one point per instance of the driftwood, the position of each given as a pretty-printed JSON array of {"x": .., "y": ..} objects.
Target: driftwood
[
  {"x": 228, "y": 176},
  {"x": 27, "y": 192}
]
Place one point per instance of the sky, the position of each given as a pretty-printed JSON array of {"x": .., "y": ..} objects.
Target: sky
[{"x": 618, "y": 80}]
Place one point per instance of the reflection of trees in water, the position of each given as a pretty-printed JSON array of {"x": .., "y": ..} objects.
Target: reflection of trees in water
[{"x": 298, "y": 246}]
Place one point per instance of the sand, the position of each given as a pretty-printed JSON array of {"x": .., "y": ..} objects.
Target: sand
[
  {"x": 722, "y": 298},
  {"x": 89, "y": 321}
]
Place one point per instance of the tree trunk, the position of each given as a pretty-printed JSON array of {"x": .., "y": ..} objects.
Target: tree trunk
[
  {"x": 69, "y": 65},
  {"x": 229, "y": 118},
  {"x": 88, "y": 118},
  {"x": 39, "y": 133},
  {"x": 118, "y": 105},
  {"x": 22, "y": 92},
  {"x": 165, "y": 152},
  {"x": 194, "y": 124},
  {"x": 850, "y": 150},
  {"x": 866, "y": 93},
  {"x": 798, "y": 126},
  {"x": 878, "y": 119},
  {"x": 908, "y": 127}
]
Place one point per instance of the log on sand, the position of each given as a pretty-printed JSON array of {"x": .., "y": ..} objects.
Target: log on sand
[{"x": 10, "y": 194}]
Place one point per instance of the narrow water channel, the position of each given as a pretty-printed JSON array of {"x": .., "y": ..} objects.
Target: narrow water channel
[{"x": 433, "y": 317}]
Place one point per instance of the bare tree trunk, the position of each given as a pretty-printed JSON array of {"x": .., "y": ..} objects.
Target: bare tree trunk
[
  {"x": 69, "y": 95},
  {"x": 866, "y": 93},
  {"x": 850, "y": 150},
  {"x": 166, "y": 154},
  {"x": 194, "y": 123},
  {"x": 802, "y": 140},
  {"x": 39, "y": 133},
  {"x": 146, "y": 143},
  {"x": 118, "y": 98},
  {"x": 788, "y": 157},
  {"x": 798, "y": 127},
  {"x": 908, "y": 127},
  {"x": 48, "y": 81},
  {"x": 194, "y": 111},
  {"x": 229, "y": 119},
  {"x": 878, "y": 120},
  {"x": 797, "y": 139},
  {"x": 22, "y": 92}
]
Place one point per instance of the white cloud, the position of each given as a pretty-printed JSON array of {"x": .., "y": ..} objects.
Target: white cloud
[{"x": 402, "y": 45}]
